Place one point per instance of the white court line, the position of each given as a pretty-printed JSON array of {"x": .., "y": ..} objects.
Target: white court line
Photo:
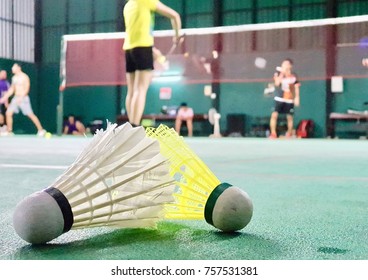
[{"x": 33, "y": 166}]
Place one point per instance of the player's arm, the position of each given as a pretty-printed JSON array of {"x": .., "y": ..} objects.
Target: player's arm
[
  {"x": 27, "y": 85},
  {"x": 166, "y": 11},
  {"x": 277, "y": 78},
  {"x": 297, "y": 95},
  {"x": 156, "y": 53},
  {"x": 9, "y": 93}
]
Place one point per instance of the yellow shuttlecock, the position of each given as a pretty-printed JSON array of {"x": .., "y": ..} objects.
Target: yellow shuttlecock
[
  {"x": 161, "y": 59},
  {"x": 120, "y": 179},
  {"x": 200, "y": 193}
]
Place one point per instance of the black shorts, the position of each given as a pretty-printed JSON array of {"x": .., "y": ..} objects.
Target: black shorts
[
  {"x": 140, "y": 58},
  {"x": 284, "y": 108}
]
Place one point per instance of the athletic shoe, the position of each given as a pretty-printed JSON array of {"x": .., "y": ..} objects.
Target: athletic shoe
[
  {"x": 273, "y": 136},
  {"x": 288, "y": 135},
  {"x": 3, "y": 128},
  {"x": 7, "y": 133},
  {"x": 41, "y": 133}
]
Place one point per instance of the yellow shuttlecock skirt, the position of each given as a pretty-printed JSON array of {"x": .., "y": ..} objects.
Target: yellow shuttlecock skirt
[{"x": 194, "y": 181}]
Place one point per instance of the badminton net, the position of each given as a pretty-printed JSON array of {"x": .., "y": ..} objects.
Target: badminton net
[{"x": 231, "y": 54}]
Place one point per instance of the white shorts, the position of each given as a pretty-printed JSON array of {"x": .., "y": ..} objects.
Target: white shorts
[{"x": 24, "y": 105}]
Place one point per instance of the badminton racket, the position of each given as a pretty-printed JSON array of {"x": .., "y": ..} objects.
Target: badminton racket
[
  {"x": 175, "y": 45},
  {"x": 162, "y": 58}
]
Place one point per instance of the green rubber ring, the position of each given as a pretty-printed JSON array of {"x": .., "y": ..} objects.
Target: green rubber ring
[{"x": 212, "y": 199}]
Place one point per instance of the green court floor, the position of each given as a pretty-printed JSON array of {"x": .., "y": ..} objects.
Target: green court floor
[{"x": 310, "y": 202}]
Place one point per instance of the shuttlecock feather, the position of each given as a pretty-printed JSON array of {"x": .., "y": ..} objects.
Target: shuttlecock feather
[
  {"x": 120, "y": 179},
  {"x": 200, "y": 194}
]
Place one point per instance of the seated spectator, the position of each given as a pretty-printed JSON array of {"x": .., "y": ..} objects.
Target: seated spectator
[
  {"x": 74, "y": 127},
  {"x": 185, "y": 114}
]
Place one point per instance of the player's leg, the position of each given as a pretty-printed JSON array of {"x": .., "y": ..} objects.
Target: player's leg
[
  {"x": 3, "y": 127},
  {"x": 139, "y": 65},
  {"x": 141, "y": 83},
  {"x": 35, "y": 121},
  {"x": 290, "y": 125},
  {"x": 12, "y": 109},
  {"x": 274, "y": 116},
  {"x": 143, "y": 60},
  {"x": 2, "y": 114},
  {"x": 26, "y": 108},
  {"x": 9, "y": 119},
  {"x": 273, "y": 124},
  {"x": 190, "y": 127},
  {"x": 290, "y": 119},
  {"x": 178, "y": 123},
  {"x": 130, "y": 90},
  {"x": 2, "y": 120},
  {"x": 130, "y": 68}
]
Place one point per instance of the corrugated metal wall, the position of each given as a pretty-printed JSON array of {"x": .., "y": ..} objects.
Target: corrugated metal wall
[{"x": 17, "y": 25}]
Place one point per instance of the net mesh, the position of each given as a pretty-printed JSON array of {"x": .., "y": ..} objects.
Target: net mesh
[{"x": 246, "y": 53}]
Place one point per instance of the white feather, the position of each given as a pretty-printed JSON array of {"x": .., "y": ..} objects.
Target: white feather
[{"x": 120, "y": 179}]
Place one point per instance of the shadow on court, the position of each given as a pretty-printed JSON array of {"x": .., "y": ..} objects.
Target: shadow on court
[{"x": 169, "y": 241}]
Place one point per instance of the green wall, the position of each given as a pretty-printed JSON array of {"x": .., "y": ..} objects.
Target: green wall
[
  {"x": 49, "y": 94},
  {"x": 354, "y": 95},
  {"x": 90, "y": 103},
  {"x": 191, "y": 94}
]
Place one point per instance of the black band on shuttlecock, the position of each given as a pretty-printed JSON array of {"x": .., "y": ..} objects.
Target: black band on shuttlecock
[
  {"x": 212, "y": 199},
  {"x": 64, "y": 205}
]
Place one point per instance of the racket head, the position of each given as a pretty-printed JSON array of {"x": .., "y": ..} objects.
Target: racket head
[{"x": 176, "y": 44}]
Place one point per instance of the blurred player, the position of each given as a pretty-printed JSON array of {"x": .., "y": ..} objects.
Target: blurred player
[
  {"x": 74, "y": 127},
  {"x": 138, "y": 44},
  {"x": 20, "y": 87},
  {"x": 185, "y": 114},
  {"x": 4, "y": 86},
  {"x": 286, "y": 97}
]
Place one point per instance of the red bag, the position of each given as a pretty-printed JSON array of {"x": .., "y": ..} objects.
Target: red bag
[{"x": 305, "y": 129}]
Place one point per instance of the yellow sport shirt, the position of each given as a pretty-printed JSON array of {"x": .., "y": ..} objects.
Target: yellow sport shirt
[{"x": 139, "y": 23}]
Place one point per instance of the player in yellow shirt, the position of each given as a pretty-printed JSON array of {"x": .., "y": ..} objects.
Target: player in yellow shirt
[{"x": 138, "y": 46}]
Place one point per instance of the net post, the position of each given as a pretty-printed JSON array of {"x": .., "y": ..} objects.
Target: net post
[
  {"x": 60, "y": 112},
  {"x": 60, "y": 106},
  {"x": 331, "y": 63}
]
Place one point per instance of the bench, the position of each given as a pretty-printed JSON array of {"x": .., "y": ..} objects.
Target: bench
[{"x": 360, "y": 121}]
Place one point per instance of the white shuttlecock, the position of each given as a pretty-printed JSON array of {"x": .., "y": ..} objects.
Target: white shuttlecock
[
  {"x": 119, "y": 180},
  {"x": 200, "y": 194},
  {"x": 260, "y": 62}
]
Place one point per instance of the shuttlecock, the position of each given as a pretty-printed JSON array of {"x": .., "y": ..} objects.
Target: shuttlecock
[
  {"x": 200, "y": 194},
  {"x": 119, "y": 180},
  {"x": 260, "y": 62}
]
